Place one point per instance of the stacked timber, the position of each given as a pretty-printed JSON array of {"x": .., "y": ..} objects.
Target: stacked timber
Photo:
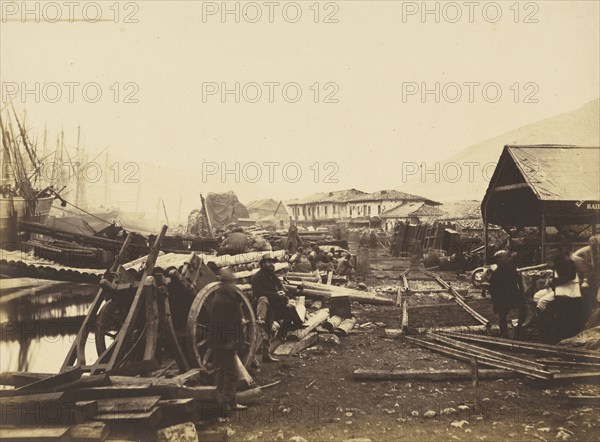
[
  {"x": 70, "y": 406},
  {"x": 313, "y": 290},
  {"x": 468, "y": 348},
  {"x": 319, "y": 325}
]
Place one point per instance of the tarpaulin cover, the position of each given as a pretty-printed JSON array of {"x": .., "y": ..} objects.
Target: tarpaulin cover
[{"x": 224, "y": 208}]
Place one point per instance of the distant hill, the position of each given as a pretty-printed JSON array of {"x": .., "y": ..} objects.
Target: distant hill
[
  {"x": 578, "y": 127},
  {"x": 262, "y": 208}
]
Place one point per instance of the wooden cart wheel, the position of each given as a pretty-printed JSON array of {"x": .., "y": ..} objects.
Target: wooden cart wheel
[
  {"x": 197, "y": 328},
  {"x": 110, "y": 319}
]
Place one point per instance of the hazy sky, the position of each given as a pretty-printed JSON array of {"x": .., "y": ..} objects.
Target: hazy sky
[{"x": 368, "y": 61}]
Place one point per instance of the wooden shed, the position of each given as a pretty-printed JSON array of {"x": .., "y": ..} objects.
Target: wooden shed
[{"x": 544, "y": 185}]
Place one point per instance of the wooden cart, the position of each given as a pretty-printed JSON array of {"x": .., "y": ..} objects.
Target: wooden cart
[{"x": 141, "y": 318}]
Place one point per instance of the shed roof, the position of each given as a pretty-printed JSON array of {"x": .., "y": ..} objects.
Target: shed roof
[
  {"x": 560, "y": 173},
  {"x": 559, "y": 182}
]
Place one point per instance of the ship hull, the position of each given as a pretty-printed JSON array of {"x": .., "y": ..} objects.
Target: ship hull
[{"x": 13, "y": 210}]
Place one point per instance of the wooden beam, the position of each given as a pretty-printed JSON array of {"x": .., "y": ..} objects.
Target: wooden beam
[
  {"x": 486, "y": 351},
  {"x": 429, "y": 375},
  {"x": 466, "y": 356},
  {"x": 510, "y": 187},
  {"x": 312, "y": 323},
  {"x": 553, "y": 350},
  {"x": 291, "y": 348}
]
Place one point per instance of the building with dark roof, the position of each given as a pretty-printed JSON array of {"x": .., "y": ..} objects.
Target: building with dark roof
[
  {"x": 543, "y": 186},
  {"x": 351, "y": 206}
]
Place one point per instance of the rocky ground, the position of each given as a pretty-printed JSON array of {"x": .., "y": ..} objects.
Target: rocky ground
[{"x": 318, "y": 400}]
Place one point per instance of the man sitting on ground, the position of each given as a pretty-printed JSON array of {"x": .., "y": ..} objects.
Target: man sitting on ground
[
  {"x": 271, "y": 304},
  {"x": 345, "y": 267}
]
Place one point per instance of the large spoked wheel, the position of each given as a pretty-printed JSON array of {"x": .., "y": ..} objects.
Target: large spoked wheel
[
  {"x": 198, "y": 323},
  {"x": 110, "y": 319}
]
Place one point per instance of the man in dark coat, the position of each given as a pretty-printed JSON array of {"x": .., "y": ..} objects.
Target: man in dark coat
[
  {"x": 271, "y": 304},
  {"x": 224, "y": 337},
  {"x": 506, "y": 290}
]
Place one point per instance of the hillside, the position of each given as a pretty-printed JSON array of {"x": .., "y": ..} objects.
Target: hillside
[{"x": 578, "y": 127}]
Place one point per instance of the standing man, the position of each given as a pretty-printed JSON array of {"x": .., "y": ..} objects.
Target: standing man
[
  {"x": 224, "y": 337},
  {"x": 271, "y": 304},
  {"x": 567, "y": 294},
  {"x": 587, "y": 261},
  {"x": 506, "y": 290}
]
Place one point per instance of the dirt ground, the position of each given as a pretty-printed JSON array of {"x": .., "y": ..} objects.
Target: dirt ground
[{"x": 318, "y": 400}]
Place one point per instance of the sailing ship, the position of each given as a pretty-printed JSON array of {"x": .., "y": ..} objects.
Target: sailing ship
[{"x": 20, "y": 200}]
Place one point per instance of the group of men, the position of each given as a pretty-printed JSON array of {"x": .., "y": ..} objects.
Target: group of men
[
  {"x": 314, "y": 258},
  {"x": 562, "y": 304}
]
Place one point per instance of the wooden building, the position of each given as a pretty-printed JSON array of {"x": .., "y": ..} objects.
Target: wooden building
[{"x": 542, "y": 186}]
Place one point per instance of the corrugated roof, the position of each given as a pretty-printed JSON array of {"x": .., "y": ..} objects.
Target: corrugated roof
[
  {"x": 560, "y": 173},
  {"x": 61, "y": 272},
  {"x": 393, "y": 195}
]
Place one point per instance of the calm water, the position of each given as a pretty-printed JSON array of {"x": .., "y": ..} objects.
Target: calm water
[{"x": 37, "y": 332}]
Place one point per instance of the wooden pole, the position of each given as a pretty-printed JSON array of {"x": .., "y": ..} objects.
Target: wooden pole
[
  {"x": 77, "y": 170},
  {"x": 204, "y": 210},
  {"x": 106, "y": 178},
  {"x": 399, "y": 297},
  {"x": 543, "y": 236},
  {"x": 430, "y": 375},
  {"x": 475, "y": 380},
  {"x": 405, "y": 315}
]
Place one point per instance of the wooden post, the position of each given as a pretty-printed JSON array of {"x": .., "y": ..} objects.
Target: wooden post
[
  {"x": 485, "y": 242},
  {"x": 405, "y": 315},
  {"x": 399, "y": 297},
  {"x": 543, "y": 236},
  {"x": 475, "y": 379}
]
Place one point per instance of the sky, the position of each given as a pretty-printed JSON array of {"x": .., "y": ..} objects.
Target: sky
[{"x": 329, "y": 95}]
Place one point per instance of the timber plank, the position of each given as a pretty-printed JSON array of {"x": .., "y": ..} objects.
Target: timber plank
[
  {"x": 291, "y": 348},
  {"x": 429, "y": 375},
  {"x": 90, "y": 431},
  {"x": 35, "y": 434},
  {"x": 131, "y": 404},
  {"x": 54, "y": 380},
  {"x": 148, "y": 418},
  {"x": 313, "y": 322}
]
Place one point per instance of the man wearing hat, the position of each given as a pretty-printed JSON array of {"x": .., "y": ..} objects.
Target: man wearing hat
[
  {"x": 271, "y": 303},
  {"x": 506, "y": 290},
  {"x": 224, "y": 337}
]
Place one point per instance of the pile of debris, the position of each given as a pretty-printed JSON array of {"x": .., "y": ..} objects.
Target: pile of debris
[{"x": 75, "y": 407}]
